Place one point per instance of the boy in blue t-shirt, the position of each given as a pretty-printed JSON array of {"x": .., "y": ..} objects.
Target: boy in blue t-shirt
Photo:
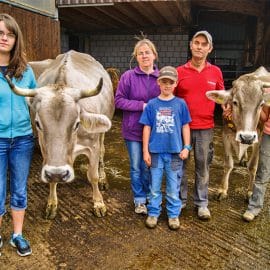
[{"x": 166, "y": 143}]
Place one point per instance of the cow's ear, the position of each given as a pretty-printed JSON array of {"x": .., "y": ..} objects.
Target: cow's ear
[
  {"x": 219, "y": 96},
  {"x": 95, "y": 123},
  {"x": 266, "y": 98}
]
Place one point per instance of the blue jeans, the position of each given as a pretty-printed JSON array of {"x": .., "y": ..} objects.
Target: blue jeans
[
  {"x": 172, "y": 165},
  {"x": 139, "y": 173},
  {"x": 262, "y": 177},
  {"x": 202, "y": 142},
  {"x": 15, "y": 156}
]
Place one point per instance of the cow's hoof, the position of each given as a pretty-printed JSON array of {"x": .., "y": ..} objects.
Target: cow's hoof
[
  {"x": 221, "y": 196},
  {"x": 103, "y": 185},
  {"x": 249, "y": 194},
  {"x": 50, "y": 212},
  {"x": 100, "y": 210}
]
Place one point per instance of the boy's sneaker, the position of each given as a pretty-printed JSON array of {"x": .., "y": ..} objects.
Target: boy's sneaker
[
  {"x": 248, "y": 216},
  {"x": 174, "y": 223},
  {"x": 1, "y": 241},
  {"x": 140, "y": 208},
  {"x": 151, "y": 222},
  {"x": 204, "y": 213},
  {"x": 22, "y": 245}
]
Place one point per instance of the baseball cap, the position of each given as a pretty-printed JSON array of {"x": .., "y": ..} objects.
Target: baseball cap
[
  {"x": 207, "y": 36},
  {"x": 168, "y": 72}
]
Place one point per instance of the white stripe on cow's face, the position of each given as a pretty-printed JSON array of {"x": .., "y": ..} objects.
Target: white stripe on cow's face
[
  {"x": 57, "y": 174},
  {"x": 249, "y": 122}
]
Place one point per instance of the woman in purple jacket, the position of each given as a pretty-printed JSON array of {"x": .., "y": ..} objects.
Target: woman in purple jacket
[{"x": 136, "y": 87}]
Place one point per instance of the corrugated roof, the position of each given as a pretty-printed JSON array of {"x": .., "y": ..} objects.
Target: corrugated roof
[{"x": 97, "y": 2}]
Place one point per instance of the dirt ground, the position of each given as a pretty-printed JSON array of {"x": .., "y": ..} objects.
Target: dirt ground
[{"x": 76, "y": 239}]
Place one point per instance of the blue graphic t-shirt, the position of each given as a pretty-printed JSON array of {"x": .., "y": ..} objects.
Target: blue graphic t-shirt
[{"x": 166, "y": 118}]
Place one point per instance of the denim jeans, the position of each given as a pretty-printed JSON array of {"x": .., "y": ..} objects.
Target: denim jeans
[
  {"x": 172, "y": 165},
  {"x": 262, "y": 177},
  {"x": 139, "y": 173},
  {"x": 15, "y": 156},
  {"x": 202, "y": 142}
]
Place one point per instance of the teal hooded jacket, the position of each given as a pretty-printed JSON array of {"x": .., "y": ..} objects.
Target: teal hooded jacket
[{"x": 14, "y": 113}]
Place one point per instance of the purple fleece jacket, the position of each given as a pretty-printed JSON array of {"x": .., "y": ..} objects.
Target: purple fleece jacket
[{"x": 134, "y": 89}]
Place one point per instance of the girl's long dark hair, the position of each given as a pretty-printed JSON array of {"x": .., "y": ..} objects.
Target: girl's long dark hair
[{"x": 17, "y": 62}]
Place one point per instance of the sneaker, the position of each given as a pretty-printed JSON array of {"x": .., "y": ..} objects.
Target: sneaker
[
  {"x": 22, "y": 245},
  {"x": 151, "y": 222},
  {"x": 204, "y": 213},
  {"x": 174, "y": 223},
  {"x": 1, "y": 241},
  {"x": 140, "y": 208},
  {"x": 248, "y": 216}
]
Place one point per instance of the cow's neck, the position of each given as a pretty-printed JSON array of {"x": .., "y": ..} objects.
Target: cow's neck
[{"x": 198, "y": 64}]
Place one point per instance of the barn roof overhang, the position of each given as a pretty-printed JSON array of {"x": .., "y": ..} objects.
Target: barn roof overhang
[{"x": 122, "y": 16}]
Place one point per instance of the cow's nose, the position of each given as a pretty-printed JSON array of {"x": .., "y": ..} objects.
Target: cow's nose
[
  {"x": 57, "y": 177},
  {"x": 247, "y": 138}
]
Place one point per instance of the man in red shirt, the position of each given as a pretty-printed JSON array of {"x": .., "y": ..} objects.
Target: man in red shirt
[{"x": 196, "y": 77}]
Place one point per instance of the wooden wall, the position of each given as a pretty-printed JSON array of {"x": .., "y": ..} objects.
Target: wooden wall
[{"x": 41, "y": 33}]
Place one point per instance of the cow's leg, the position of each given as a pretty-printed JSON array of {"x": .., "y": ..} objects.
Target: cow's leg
[
  {"x": 92, "y": 174},
  {"x": 252, "y": 168},
  {"x": 228, "y": 166},
  {"x": 103, "y": 183},
  {"x": 51, "y": 209}
]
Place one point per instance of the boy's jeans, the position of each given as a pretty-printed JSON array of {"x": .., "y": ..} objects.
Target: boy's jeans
[
  {"x": 15, "y": 155},
  {"x": 262, "y": 177},
  {"x": 172, "y": 165},
  {"x": 139, "y": 173}
]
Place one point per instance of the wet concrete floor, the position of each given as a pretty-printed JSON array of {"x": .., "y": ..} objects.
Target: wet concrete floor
[{"x": 76, "y": 239}]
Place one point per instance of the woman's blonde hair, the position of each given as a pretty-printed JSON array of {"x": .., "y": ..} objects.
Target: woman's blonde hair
[
  {"x": 143, "y": 41},
  {"x": 17, "y": 62}
]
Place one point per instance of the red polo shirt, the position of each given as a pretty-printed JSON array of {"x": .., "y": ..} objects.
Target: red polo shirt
[{"x": 192, "y": 86}]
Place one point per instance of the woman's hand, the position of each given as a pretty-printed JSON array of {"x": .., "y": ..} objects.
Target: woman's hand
[{"x": 147, "y": 158}]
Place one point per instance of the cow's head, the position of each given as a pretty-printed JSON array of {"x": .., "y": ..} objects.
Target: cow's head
[
  {"x": 246, "y": 98},
  {"x": 58, "y": 119}
]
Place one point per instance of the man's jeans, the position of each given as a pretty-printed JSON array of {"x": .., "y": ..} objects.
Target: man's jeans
[
  {"x": 172, "y": 165},
  {"x": 15, "y": 156},
  {"x": 262, "y": 177},
  {"x": 202, "y": 142},
  {"x": 139, "y": 173}
]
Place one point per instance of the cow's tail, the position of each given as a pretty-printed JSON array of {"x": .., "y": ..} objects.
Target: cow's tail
[{"x": 115, "y": 76}]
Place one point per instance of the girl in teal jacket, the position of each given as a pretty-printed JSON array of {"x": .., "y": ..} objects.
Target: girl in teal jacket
[{"x": 16, "y": 138}]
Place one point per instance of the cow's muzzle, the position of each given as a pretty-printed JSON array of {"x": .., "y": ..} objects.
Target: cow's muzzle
[
  {"x": 60, "y": 174},
  {"x": 247, "y": 138}
]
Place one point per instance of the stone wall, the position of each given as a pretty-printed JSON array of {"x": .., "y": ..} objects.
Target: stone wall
[{"x": 115, "y": 50}]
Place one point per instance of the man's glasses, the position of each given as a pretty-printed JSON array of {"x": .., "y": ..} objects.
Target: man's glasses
[{"x": 8, "y": 35}]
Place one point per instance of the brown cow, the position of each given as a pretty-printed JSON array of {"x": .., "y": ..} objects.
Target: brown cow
[
  {"x": 71, "y": 120},
  {"x": 246, "y": 98}
]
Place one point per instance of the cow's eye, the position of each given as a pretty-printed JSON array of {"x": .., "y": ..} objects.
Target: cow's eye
[
  {"x": 76, "y": 126},
  {"x": 235, "y": 103},
  {"x": 38, "y": 125}
]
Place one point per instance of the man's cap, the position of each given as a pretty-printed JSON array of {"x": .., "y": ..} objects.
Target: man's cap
[
  {"x": 207, "y": 36},
  {"x": 168, "y": 72}
]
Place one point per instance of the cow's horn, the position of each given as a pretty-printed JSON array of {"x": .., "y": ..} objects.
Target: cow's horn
[
  {"x": 92, "y": 92},
  {"x": 20, "y": 91}
]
